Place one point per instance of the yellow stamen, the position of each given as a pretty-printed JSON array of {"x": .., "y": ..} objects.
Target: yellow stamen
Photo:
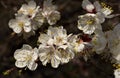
[
  {"x": 105, "y": 6},
  {"x": 90, "y": 22},
  {"x": 21, "y": 24},
  {"x": 31, "y": 11},
  {"x": 59, "y": 39},
  {"x": 116, "y": 66}
]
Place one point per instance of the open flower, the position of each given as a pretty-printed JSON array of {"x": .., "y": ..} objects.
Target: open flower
[
  {"x": 55, "y": 36},
  {"x": 97, "y": 7},
  {"x": 54, "y": 47},
  {"x": 113, "y": 38},
  {"x": 50, "y": 13},
  {"x": 66, "y": 55},
  {"x": 88, "y": 23},
  {"x": 20, "y": 23},
  {"x": 48, "y": 54},
  {"x": 29, "y": 9},
  {"x": 26, "y": 56},
  {"x": 55, "y": 56}
]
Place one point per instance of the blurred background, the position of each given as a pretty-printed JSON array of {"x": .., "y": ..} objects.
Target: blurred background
[{"x": 95, "y": 67}]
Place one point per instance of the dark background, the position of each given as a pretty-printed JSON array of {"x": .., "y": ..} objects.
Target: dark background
[{"x": 95, "y": 67}]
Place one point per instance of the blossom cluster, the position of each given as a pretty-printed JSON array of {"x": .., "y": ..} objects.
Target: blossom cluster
[
  {"x": 30, "y": 17},
  {"x": 56, "y": 46}
]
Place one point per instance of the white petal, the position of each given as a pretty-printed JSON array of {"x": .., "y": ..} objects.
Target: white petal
[
  {"x": 20, "y": 55},
  {"x": 50, "y": 41},
  {"x": 53, "y": 17},
  {"x": 52, "y": 31},
  {"x": 27, "y": 28},
  {"x": 118, "y": 57},
  {"x": 86, "y": 4},
  {"x": 116, "y": 52},
  {"x": 32, "y": 4},
  {"x": 22, "y": 9},
  {"x": 43, "y": 56},
  {"x": 54, "y": 62},
  {"x": 111, "y": 38},
  {"x": 64, "y": 60},
  {"x": 44, "y": 59},
  {"x": 45, "y": 62},
  {"x": 39, "y": 18},
  {"x": 32, "y": 65},
  {"x": 12, "y": 23},
  {"x": 80, "y": 47},
  {"x": 24, "y": 6},
  {"x": 113, "y": 15},
  {"x": 88, "y": 29},
  {"x": 99, "y": 41},
  {"x": 43, "y": 38},
  {"x": 57, "y": 55},
  {"x": 27, "y": 21},
  {"x": 101, "y": 17},
  {"x": 17, "y": 29},
  {"x": 63, "y": 46},
  {"x": 97, "y": 6},
  {"x": 35, "y": 54},
  {"x": 20, "y": 64},
  {"x": 27, "y": 47},
  {"x": 117, "y": 73}
]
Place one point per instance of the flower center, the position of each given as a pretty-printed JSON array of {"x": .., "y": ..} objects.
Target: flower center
[
  {"x": 59, "y": 39},
  {"x": 28, "y": 58},
  {"x": 30, "y": 11},
  {"x": 90, "y": 22},
  {"x": 21, "y": 24}
]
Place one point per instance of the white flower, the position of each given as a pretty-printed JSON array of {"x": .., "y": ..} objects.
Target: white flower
[
  {"x": 54, "y": 47},
  {"x": 50, "y": 13},
  {"x": 55, "y": 36},
  {"x": 48, "y": 54},
  {"x": 66, "y": 55},
  {"x": 61, "y": 37},
  {"x": 77, "y": 44},
  {"x": 26, "y": 56},
  {"x": 113, "y": 38},
  {"x": 20, "y": 23},
  {"x": 99, "y": 41},
  {"x": 38, "y": 20},
  {"x": 117, "y": 73},
  {"x": 97, "y": 7},
  {"x": 88, "y": 23},
  {"x": 29, "y": 9}
]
